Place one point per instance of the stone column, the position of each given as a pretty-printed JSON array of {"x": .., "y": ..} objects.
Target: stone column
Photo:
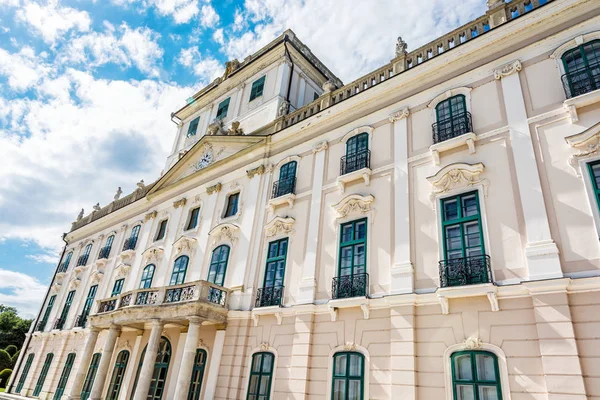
[
  {"x": 402, "y": 272},
  {"x": 402, "y": 352},
  {"x": 187, "y": 361},
  {"x": 105, "y": 360},
  {"x": 542, "y": 254},
  {"x": 215, "y": 363},
  {"x": 308, "y": 283},
  {"x": 84, "y": 364},
  {"x": 141, "y": 390}
]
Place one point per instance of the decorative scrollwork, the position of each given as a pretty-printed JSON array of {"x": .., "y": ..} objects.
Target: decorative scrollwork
[
  {"x": 455, "y": 176},
  {"x": 354, "y": 204},
  {"x": 279, "y": 225}
]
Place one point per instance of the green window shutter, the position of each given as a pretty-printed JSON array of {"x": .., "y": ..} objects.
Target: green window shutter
[
  {"x": 257, "y": 88},
  {"x": 24, "y": 374},
  {"x": 475, "y": 375},
  {"x": 64, "y": 376},
  {"x": 147, "y": 275},
  {"x": 218, "y": 265},
  {"x": 261, "y": 376},
  {"x": 65, "y": 311},
  {"x": 42, "y": 378},
  {"x": 89, "y": 378},
  {"x": 117, "y": 287},
  {"x": 117, "y": 376},
  {"x": 193, "y": 127},
  {"x": 179, "y": 270},
  {"x": 197, "y": 375},
  {"x": 348, "y": 376},
  {"x": 44, "y": 321},
  {"x": 222, "y": 109}
]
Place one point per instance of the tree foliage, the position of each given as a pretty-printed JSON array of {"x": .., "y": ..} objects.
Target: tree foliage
[
  {"x": 5, "y": 360},
  {"x": 12, "y": 328},
  {"x": 4, "y": 377}
]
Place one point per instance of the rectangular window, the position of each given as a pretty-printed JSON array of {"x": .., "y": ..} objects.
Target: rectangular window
[
  {"x": 193, "y": 220},
  {"x": 271, "y": 293},
  {"x": 261, "y": 377},
  {"x": 257, "y": 88},
  {"x": 65, "y": 311},
  {"x": 475, "y": 375},
  {"x": 162, "y": 229},
  {"x": 594, "y": 169},
  {"x": 42, "y": 378},
  {"x": 352, "y": 279},
  {"x": 89, "y": 378},
  {"x": 44, "y": 321},
  {"x": 87, "y": 306},
  {"x": 64, "y": 377},
  {"x": 117, "y": 287},
  {"x": 24, "y": 374},
  {"x": 222, "y": 110},
  {"x": 193, "y": 127},
  {"x": 232, "y": 205}
]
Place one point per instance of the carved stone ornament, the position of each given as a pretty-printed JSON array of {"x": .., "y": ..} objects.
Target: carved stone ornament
[
  {"x": 122, "y": 270},
  {"x": 472, "y": 343},
  {"x": 153, "y": 255},
  {"x": 587, "y": 143},
  {"x": 179, "y": 203},
  {"x": 264, "y": 346},
  {"x": 455, "y": 176},
  {"x": 328, "y": 86},
  {"x": 141, "y": 184},
  {"x": 224, "y": 232},
  {"x": 150, "y": 215},
  {"x": 216, "y": 127},
  {"x": 508, "y": 69},
  {"x": 118, "y": 194},
  {"x": 320, "y": 147},
  {"x": 96, "y": 276},
  {"x": 184, "y": 245},
  {"x": 80, "y": 215},
  {"x": 279, "y": 226},
  {"x": 235, "y": 129},
  {"x": 214, "y": 188},
  {"x": 55, "y": 288},
  {"x": 230, "y": 68},
  {"x": 255, "y": 171},
  {"x": 401, "y": 47},
  {"x": 284, "y": 108},
  {"x": 349, "y": 346},
  {"x": 398, "y": 115},
  {"x": 354, "y": 204},
  {"x": 74, "y": 283}
]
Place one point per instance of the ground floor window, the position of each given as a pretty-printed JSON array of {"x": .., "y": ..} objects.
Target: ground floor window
[
  {"x": 116, "y": 379},
  {"x": 197, "y": 375},
  {"x": 64, "y": 376},
  {"x": 348, "y": 376},
  {"x": 261, "y": 375},
  {"x": 24, "y": 373},
  {"x": 159, "y": 375},
  {"x": 475, "y": 376},
  {"x": 89, "y": 378},
  {"x": 42, "y": 378}
]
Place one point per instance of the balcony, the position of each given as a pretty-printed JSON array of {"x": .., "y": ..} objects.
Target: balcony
[
  {"x": 81, "y": 320},
  {"x": 465, "y": 271},
  {"x": 353, "y": 167},
  {"x": 269, "y": 296},
  {"x": 170, "y": 303},
  {"x": 82, "y": 260},
  {"x": 582, "y": 81},
  {"x": 284, "y": 192},
  {"x": 58, "y": 323},
  {"x": 347, "y": 286},
  {"x": 104, "y": 253},
  {"x": 450, "y": 128},
  {"x": 130, "y": 244}
]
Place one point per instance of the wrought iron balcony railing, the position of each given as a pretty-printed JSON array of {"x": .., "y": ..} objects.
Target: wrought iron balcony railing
[
  {"x": 347, "y": 286},
  {"x": 130, "y": 244},
  {"x": 283, "y": 187},
  {"x": 452, "y": 127},
  {"x": 82, "y": 260},
  {"x": 354, "y": 162},
  {"x": 465, "y": 271},
  {"x": 582, "y": 81},
  {"x": 104, "y": 252},
  {"x": 59, "y": 323},
  {"x": 269, "y": 296},
  {"x": 81, "y": 320}
]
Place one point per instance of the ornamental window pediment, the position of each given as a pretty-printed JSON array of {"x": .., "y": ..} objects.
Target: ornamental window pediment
[
  {"x": 587, "y": 145},
  {"x": 122, "y": 270},
  {"x": 354, "y": 204},
  {"x": 184, "y": 245},
  {"x": 279, "y": 226},
  {"x": 457, "y": 176},
  {"x": 153, "y": 255},
  {"x": 225, "y": 232}
]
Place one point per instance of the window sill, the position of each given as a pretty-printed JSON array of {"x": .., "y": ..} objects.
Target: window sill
[
  {"x": 467, "y": 139},
  {"x": 224, "y": 220},
  {"x": 364, "y": 174},
  {"x": 282, "y": 200},
  {"x": 349, "y": 302},
  {"x": 455, "y": 292},
  {"x": 584, "y": 100}
]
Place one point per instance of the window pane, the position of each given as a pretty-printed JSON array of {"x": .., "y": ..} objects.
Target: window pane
[
  {"x": 596, "y": 172},
  {"x": 469, "y": 206},
  {"x": 359, "y": 254},
  {"x": 346, "y": 233},
  {"x": 283, "y": 248},
  {"x": 256, "y": 363},
  {"x": 355, "y": 365},
  {"x": 472, "y": 236},
  {"x": 361, "y": 230},
  {"x": 465, "y": 392},
  {"x": 267, "y": 363},
  {"x": 253, "y": 384},
  {"x": 462, "y": 367},
  {"x": 485, "y": 367},
  {"x": 450, "y": 210},
  {"x": 340, "y": 365},
  {"x": 354, "y": 389},
  {"x": 339, "y": 389},
  {"x": 488, "y": 393},
  {"x": 346, "y": 258},
  {"x": 264, "y": 385},
  {"x": 453, "y": 241}
]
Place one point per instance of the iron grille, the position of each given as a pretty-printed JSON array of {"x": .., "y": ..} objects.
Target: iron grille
[
  {"x": 346, "y": 286},
  {"x": 283, "y": 187},
  {"x": 269, "y": 296},
  {"x": 465, "y": 271},
  {"x": 582, "y": 81},
  {"x": 452, "y": 127},
  {"x": 355, "y": 161}
]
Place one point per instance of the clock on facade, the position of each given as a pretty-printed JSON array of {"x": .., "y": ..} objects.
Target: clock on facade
[{"x": 205, "y": 159}]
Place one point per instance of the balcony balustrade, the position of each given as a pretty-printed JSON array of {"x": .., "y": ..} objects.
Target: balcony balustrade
[
  {"x": 59, "y": 323},
  {"x": 104, "y": 253},
  {"x": 452, "y": 127},
  {"x": 41, "y": 325},
  {"x": 348, "y": 286},
  {"x": 81, "y": 320},
  {"x": 82, "y": 260},
  {"x": 269, "y": 296},
  {"x": 283, "y": 187},
  {"x": 355, "y": 162},
  {"x": 130, "y": 244},
  {"x": 582, "y": 81},
  {"x": 465, "y": 271}
]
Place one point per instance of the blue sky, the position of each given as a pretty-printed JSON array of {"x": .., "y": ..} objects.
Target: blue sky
[{"x": 87, "y": 87}]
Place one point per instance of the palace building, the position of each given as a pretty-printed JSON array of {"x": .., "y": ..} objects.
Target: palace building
[{"x": 428, "y": 231}]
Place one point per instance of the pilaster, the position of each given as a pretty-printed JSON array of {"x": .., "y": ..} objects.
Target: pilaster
[
  {"x": 403, "y": 352},
  {"x": 215, "y": 363},
  {"x": 300, "y": 360},
  {"x": 239, "y": 99}
]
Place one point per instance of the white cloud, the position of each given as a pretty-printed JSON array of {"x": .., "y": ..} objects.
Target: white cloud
[
  {"x": 22, "y": 69},
  {"x": 44, "y": 258},
  {"x": 208, "y": 16},
  {"x": 51, "y": 20},
  {"x": 182, "y": 11},
  {"x": 219, "y": 37},
  {"x": 21, "y": 291},
  {"x": 206, "y": 68},
  {"x": 239, "y": 22}
]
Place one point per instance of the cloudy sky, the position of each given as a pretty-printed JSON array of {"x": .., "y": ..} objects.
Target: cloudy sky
[{"x": 87, "y": 87}]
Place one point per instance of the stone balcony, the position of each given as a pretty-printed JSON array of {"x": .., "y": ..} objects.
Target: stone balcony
[{"x": 168, "y": 303}]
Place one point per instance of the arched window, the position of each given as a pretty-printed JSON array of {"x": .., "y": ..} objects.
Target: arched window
[
  {"x": 24, "y": 374},
  {"x": 218, "y": 265},
  {"x": 132, "y": 241},
  {"x": 42, "y": 378},
  {"x": 64, "y": 377},
  {"x": 287, "y": 180},
  {"x": 358, "y": 155},
  {"x": 475, "y": 376},
  {"x": 197, "y": 375},
  {"x": 179, "y": 270},
  {"x": 86, "y": 390},
  {"x": 261, "y": 376},
  {"x": 582, "y": 69},
  {"x": 161, "y": 368},
  {"x": 65, "y": 264},
  {"x": 83, "y": 259},
  {"x": 348, "y": 376},
  {"x": 105, "y": 251},
  {"x": 147, "y": 275},
  {"x": 452, "y": 119},
  {"x": 118, "y": 374}
]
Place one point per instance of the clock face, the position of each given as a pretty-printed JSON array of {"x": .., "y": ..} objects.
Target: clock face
[{"x": 204, "y": 160}]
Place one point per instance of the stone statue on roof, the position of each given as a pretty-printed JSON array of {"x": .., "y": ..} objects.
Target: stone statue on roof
[
  {"x": 97, "y": 207},
  {"x": 118, "y": 194},
  {"x": 80, "y": 216},
  {"x": 401, "y": 47}
]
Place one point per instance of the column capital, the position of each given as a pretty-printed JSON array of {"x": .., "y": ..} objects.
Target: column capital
[
  {"x": 400, "y": 114},
  {"x": 115, "y": 327},
  {"x": 195, "y": 320},
  {"x": 320, "y": 146},
  {"x": 507, "y": 69},
  {"x": 157, "y": 323}
]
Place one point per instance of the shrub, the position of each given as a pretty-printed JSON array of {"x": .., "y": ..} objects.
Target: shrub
[
  {"x": 4, "y": 377},
  {"x": 14, "y": 358},
  {"x": 5, "y": 361},
  {"x": 11, "y": 349}
]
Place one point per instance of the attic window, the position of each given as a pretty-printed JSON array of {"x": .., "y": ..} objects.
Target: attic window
[
  {"x": 257, "y": 88},
  {"x": 193, "y": 127},
  {"x": 223, "y": 107}
]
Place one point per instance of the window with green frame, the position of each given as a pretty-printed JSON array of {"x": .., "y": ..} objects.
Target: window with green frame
[
  {"x": 257, "y": 88},
  {"x": 161, "y": 369},
  {"x": 117, "y": 287},
  {"x": 222, "y": 109},
  {"x": 42, "y": 378},
  {"x": 65, "y": 311},
  {"x": 116, "y": 379},
  {"x": 25, "y": 372},
  {"x": 86, "y": 390},
  {"x": 348, "y": 376},
  {"x": 64, "y": 376},
  {"x": 475, "y": 376},
  {"x": 261, "y": 376},
  {"x": 42, "y": 324},
  {"x": 179, "y": 270},
  {"x": 87, "y": 306},
  {"x": 193, "y": 127},
  {"x": 450, "y": 108},
  {"x": 352, "y": 278},
  {"x": 147, "y": 275},
  {"x": 275, "y": 269},
  {"x": 594, "y": 169},
  {"x": 582, "y": 68},
  {"x": 162, "y": 230},
  {"x": 197, "y": 375},
  {"x": 218, "y": 265}
]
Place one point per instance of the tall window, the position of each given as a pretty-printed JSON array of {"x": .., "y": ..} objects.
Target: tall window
[
  {"x": 65, "y": 311},
  {"x": 24, "y": 374},
  {"x": 582, "y": 68},
  {"x": 257, "y": 88},
  {"x": 232, "y": 205},
  {"x": 162, "y": 229},
  {"x": 42, "y": 378},
  {"x": 132, "y": 241},
  {"x": 287, "y": 180},
  {"x": 261, "y": 376},
  {"x": 179, "y": 270},
  {"x": 105, "y": 251},
  {"x": 357, "y": 154},
  {"x": 222, "y": 109},
  {"x": 352, "y": 277},
  {"x": 147, "y": 275},
  {"x": 83, "y": 259},
  {"x": 197, "y": 375},
  {"x": 594, "y": 169},
  {"x": 44, "y": 321},
  {"x": 272, "y": 292},
  {"x": 159, "y": 375},
  {"x": 65, "y": 264},
  {"x": 64, "y": 376},
  {"x": 193, "y": 127},
  {"x": 193, "y": 219},
  {"x": 218, "y": 265},
  {"x": 475, "y": 376},
  {"x": 348, "y": 376},
  {"x": 87, "y": 306},
  {"x": 452, "y": 119},
  {"x": 117, "y": 287},
  {"x": 116, "y": 379},
  {"x": 465, "y": 262},
  {"x": 86, "y": 390}
]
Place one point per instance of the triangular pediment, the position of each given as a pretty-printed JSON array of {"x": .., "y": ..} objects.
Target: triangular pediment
[{"x": 208, "y": 153}]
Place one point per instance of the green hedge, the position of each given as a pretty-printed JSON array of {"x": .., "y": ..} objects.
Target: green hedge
[
  {"x": 5, "y": 360},
  {"x": 4, "y": 377}
]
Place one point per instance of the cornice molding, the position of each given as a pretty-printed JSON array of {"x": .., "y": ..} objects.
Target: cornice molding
[{"x": 587, "y": 143}]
